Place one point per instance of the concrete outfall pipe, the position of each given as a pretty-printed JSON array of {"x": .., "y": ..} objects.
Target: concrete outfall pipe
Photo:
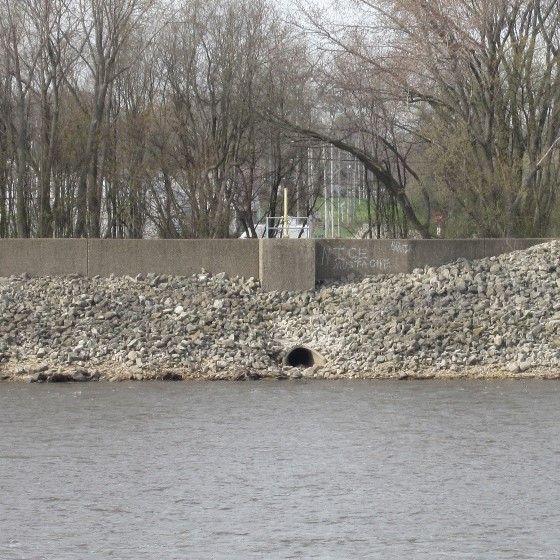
[{"x": 304, "y": 357}]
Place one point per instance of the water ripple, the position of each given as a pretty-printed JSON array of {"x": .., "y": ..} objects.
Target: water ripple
[{"x": 270, "y": 470}]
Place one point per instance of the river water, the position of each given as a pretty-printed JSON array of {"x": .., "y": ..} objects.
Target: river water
[{"x": 328, "y": 470}]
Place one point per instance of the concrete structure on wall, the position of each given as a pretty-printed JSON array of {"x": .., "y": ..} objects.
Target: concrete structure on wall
[
  {"x": 287, "y": 264},
  {"x": 280, "y": 264}
]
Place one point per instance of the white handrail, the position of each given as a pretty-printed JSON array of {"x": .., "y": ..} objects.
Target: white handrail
[{"x": 297, "y": 227}]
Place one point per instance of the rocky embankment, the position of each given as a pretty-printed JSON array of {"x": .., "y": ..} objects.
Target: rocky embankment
[{"x": 496, "y": 317}]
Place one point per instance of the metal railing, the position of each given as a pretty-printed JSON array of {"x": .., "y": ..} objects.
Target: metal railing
[{"x": 296, "y": 227}]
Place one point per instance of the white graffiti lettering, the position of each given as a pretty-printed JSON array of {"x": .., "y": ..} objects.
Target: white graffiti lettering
[
  {"x": 399, "y": 247},
  {"x": 353, "y": 258}
]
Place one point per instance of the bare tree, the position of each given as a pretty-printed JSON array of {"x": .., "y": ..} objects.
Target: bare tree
[
  {"x": 53, "y": 29},
  {"x": 362, "y": 112},
  {"x": 214, "y": 62},
  {"x": 22, "y": 55},
  {"x": 480, "y": 86},
  {"x": 107, "y": 27},
  {"x": 130, "y": 169},
  {"x": 5, "y": 157},
  {"x": 173, "y": 135},
  {"x": 492, "y": 106}
]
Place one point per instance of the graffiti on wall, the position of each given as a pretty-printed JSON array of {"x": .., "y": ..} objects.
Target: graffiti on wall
[
  {"x": 353, "y": 259},
  {"x": 400, "y": 247},
  {"x": 364, "y": 258}
]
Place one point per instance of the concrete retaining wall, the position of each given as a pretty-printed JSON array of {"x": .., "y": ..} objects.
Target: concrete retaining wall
[
  {"x": 43, "y": 257},
  {"x": 178, "y": 257},
  {"x": 338, "y": 258},
  {"x": 280, "y": 264}
]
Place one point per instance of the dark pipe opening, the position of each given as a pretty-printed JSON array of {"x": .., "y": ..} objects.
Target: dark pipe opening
[{"x": 300, "y": 356}]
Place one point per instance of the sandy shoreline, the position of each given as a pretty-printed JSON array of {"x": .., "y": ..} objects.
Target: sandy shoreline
[{"x": 34, "y": 372}]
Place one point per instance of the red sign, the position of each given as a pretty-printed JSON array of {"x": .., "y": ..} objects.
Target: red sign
[{"x": 438, "y": 217}]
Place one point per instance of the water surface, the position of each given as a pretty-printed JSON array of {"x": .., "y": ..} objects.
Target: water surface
[{"x": 329, "y": 470}]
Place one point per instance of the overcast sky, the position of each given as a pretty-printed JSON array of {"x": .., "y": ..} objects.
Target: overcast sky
[{"x": 340, "y": 10}]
